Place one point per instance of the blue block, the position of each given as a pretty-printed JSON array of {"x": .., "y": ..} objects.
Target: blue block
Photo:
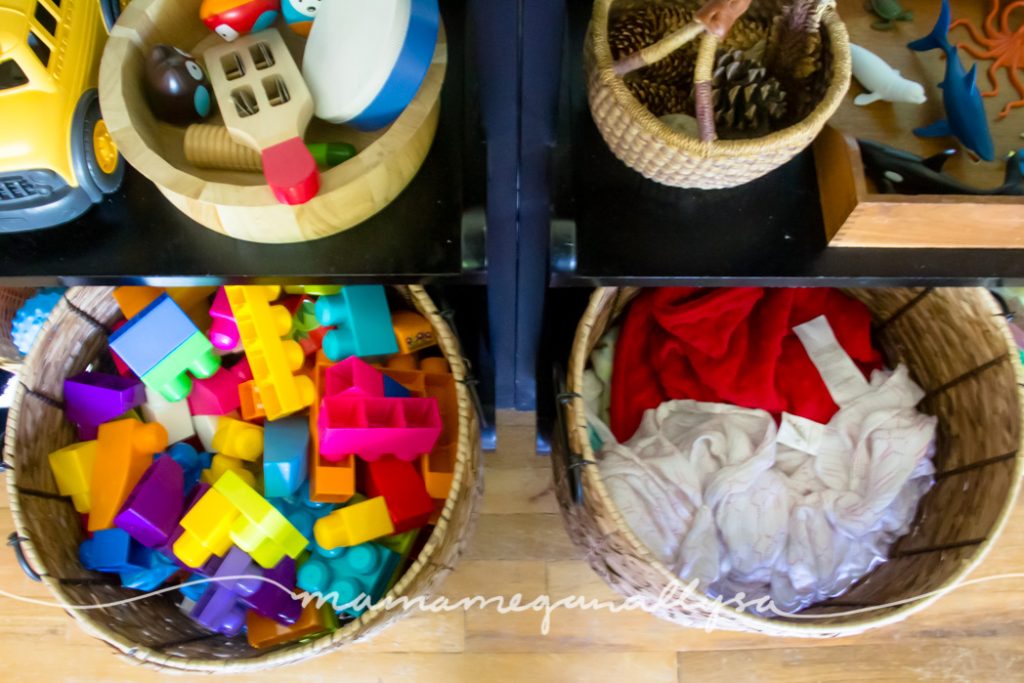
[
  {"x": 300, "y": 511},
  {"x": 393, "y": 389},
  {"x": 113, "y": 550},
  {"x": 358, "y": 570},
  {"x": 285, "y": 456},
  {"x": 195, "y": 591},
  {"x": 152, "y": 335},
  {"x": 363, "y": 321},
  {"x": 159, "y": 570},
  {"x": 192, "y": 463}
]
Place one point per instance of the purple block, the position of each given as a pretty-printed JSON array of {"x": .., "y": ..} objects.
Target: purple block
[
  {"x": 92, "y": 398},
  {"x": 154, "y": 507},
  {"x": 220, "y": 611},
  {"x": 266, "y": 598}
]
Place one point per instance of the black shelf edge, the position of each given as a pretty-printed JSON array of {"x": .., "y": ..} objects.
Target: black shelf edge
[
  {"x": 613, "y": 227},
  {"x": 137, "y": 237}
]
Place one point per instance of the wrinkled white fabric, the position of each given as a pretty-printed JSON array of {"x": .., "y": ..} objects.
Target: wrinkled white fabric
[
  {"x": 597, "y": 394},
  {"x": 798, "y": 511}
]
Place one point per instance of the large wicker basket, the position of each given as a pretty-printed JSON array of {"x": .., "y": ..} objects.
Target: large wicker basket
[
  {"x": 11, "y": 299},
  {"x": 959, "y": 349},
  {"x": 645, "y": 144},
  {"x": 154, "y": 631}
]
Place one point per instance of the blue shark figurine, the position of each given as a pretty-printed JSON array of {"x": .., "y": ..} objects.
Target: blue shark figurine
[{"x": 966, "y": 119}]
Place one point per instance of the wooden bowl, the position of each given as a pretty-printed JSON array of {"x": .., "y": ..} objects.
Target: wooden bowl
[{"x": 239, "y": 204}]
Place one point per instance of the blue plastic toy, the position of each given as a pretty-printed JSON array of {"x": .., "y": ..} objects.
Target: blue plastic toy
[
  {"x": 192, "y": 462},
  {"x": 393, "y": 389},
  {"x": 966, "y": 119},
  {"x": 28, "y": 321},
  {"x": 301, "y": 511},
  {"x": 193, "y": 591},
  {"x": 152, "y": 577},
  {"x": 363, "y": 319},
  {"x": 299, "y": 14},
  {"x": 285, "y": 456},
  {"x": 358, "y": 571},
  {"x": 113, "y": 550},
  {"x": 160, "y": 344}
]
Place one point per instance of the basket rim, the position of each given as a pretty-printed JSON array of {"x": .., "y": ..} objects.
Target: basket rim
[
  {"x": 591, "y": 477},
  {"x": 467, "y": 464},
  {"x": 601, "y": 74}
]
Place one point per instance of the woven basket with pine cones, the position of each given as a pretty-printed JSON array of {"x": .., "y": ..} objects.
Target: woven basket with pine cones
[{"x": 748, "y": 101}]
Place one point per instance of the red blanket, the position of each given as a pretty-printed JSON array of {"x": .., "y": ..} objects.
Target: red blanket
[{"x": 732, "y": 345}]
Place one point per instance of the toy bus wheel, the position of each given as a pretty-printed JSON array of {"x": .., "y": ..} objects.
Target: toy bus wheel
[
  {"x": 98, "y": 166},
  {"x": 111, "y": 11}
]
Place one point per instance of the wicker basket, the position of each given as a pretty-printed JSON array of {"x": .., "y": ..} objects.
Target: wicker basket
[
  {"x": 154, "y": 631},
  {"x": 11, "y": 299},
  {"x": 645, "y": 144},
  {"x": 959, "y": 350}
]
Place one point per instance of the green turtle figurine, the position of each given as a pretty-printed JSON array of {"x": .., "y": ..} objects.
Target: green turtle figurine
[{"x": 889, "y": 12}]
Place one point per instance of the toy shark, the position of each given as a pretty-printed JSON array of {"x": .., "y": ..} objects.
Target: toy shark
[
  {"x": 895, "y": 171},
  {"x": 965, "y": 113}
]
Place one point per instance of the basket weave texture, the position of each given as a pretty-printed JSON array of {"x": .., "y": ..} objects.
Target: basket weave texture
[
  {"x": 958, "y": 348},
  {"x": 645, "y": 144},
  {"x": 153, "y": 631}
]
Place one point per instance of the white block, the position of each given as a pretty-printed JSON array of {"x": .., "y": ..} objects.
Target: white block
[
  {"x": 173, "y": 416},
  {"x": 205, "y": 427}
]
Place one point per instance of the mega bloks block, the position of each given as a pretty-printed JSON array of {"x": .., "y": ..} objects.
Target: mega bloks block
[
  {"x": 249, "y": 401},
  {"x": 216, "y": 395},
  {"x": 72, "y": 469},
  {"x": 402, "y": 544},
  {"x": 206, "y": 427},
  {"x": 238, "y": 439},
  {"x": 413, "y": 332},
  {"x": 219, "y": 464},
  {"x": 354, "y": 580},
  {"x": 206, "y": 529},
  {"x": 124, "y": 451},
  {"x": 92, "y": 398},
  {"x": 112, "y": 550},
  {"x": 273, "y": 361},
  {"x": 353, "y": 376},
  {"x": 285, "y": 456},
  {"x": 267, "y": 591},
  {"x": 371, "y": 427},
  {"x": 354, "y": 524},
  {"x": 220, "y": 611},
  {"x": 331, "y": 481},
  {"x": 312, "y": 622},
  {"x": 174, "y": 416},
  {"x": 301, "y": 510},
  {"x": 313, "y": 290},
  {"x": 224, "y": 330},
  {"x": 260, "y": 529},
  {"x": 400, "y": 485},
  {"x": 157, "y": 570},
  {"x": 192, "y": 463},
  {"x": 362, "y": 320},
  {"x": 151, "y": 512},
  {"x": 132, "y": 299},
  {"x": 161, "y": 344}
]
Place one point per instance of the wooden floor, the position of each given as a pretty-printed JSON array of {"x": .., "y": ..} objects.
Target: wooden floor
[{"x": 520, "y": 546}]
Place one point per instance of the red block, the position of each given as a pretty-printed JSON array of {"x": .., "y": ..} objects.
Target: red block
[
  {"x": 409, "y": 504},
  {"x": 216, "y": 395}
]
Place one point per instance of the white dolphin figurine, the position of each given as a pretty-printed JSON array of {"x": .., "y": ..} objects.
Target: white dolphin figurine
[{"x": 881, "y": 80}]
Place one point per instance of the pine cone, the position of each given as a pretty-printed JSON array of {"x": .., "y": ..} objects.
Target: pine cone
[
  {"x": 748, "y": 102},
  {"x": 794, "y": 42},
  {"x": 659, "y": 98},
  {"x": 745, "y": 34},
  {"x": 636, "y": 28}
]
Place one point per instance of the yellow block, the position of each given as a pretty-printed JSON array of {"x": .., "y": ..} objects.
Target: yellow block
[
  {"x": 72, "y": 468},
  {"x": 354, "y": 524},
  {"x": 237, "y": 439}
]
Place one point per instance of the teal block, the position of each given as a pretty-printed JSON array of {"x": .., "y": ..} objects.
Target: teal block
[
  {"x": 285, "y": 456},
  {"x": 360, "y": 570},
  {"x": 363, "y": 321}
]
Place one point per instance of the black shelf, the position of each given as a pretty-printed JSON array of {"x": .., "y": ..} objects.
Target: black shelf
[
  {"x": 136, "y": 236},
  {"x": 613, "y": 227}
]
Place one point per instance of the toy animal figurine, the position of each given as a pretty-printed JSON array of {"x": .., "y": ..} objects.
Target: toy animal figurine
[
  {"x": 299, "y": 14},
  {"x": 896, "y": 171},
  {"x": 965, "y": 112},
  {"x": 889, "y": 12},
  {"x": 232, "y": 18},
  {"x": 881, "y": 81},
  {"x": 1004, "y": 45},
  {"x": 177, "y": 88}
]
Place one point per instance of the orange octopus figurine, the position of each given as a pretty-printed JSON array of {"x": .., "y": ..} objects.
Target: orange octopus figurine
[{"x": 1003, "y": 45}]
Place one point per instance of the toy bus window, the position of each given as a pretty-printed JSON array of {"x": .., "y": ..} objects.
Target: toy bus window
[
  {"x": 46, "y": 19},
  {"x": 39, "y": 47},
  {"x": 11, "y": 75},
  {"x": 276, "y": 90},
  {"x": 262, "y": 57}
]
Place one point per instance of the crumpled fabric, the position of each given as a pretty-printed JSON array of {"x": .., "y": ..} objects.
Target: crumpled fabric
[
  {"x": 597, "y": 395},
  {"x": 731, "y": 345},
  {"x": 797, "y": 511}
]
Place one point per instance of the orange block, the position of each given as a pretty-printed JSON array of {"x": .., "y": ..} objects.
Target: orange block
[
  {"x": 131, "y": 300},
  {"x": 251, "y": 405},
  {"x": 193, "y": 300},
  {"x": 412, "y": 331},
  {"x": 264, "y": 632},
  {"x": 124, "y": 450},
  {"x": 329, "y": 482}
]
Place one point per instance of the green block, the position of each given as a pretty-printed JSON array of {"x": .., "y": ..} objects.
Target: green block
[{"x": 170, "y": 376}]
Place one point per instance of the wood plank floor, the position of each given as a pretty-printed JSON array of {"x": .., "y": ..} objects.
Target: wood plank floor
[{"x": 520, "y": 546}]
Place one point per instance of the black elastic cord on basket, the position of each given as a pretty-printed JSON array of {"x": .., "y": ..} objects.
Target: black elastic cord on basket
[
  {"x": 14, "y": 541},
  {"x": 574, "y": 462}
]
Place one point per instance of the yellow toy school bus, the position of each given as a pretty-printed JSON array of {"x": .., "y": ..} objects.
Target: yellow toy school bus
[{"x": 56, "y": 156}]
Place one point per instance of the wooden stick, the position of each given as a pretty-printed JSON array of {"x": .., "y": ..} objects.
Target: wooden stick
[{"x": 702, "y": 82}]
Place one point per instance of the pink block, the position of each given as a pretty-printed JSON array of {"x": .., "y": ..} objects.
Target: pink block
[
  {"x": 224, "y": 331},
  {"x": 353, "y": 376},
  {"x": 216, "y": 395},
  {"x": 371, "y": 427},
  {"x": 122, "y": 367},
  {"x": 241, "y": 370}
]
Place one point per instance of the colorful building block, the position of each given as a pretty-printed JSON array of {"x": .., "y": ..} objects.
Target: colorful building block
[
  {"x": 329, "y": 482},
  {"x": 206, "y": 529},
  {"x": 161, "y": 344},
  {"x": 285, "y": 456},
  {"x": 301, "y": 511},
  {"x": 174, "y": 416},
  {"x": 219, "y": 610},
  {"x": 260, "y": 529},
  {"x": 313, "y": 290},
  {"x": 400, "y": 485},
  {"x": 224, "y": 330},
  {"x": 354, "y": 376},
  {"x": 206, "y": 427},
  {"x": 151, "y": 512},
  {"x": 352, "y": 581},
  {"x": 112, "y": 550},
  {"x": 31, "y": 316},
  {"x": 124, "y": 451},
  {"x": 402, "y": 544},
  {"x": 249, "y": 401},
  {"x": 362, "y": 320},
  {"x": 132, "y": 300},
  {"x": 413, "y": 332},
  {"x": 157, "y": 571},
  {"x": 216, "y": 395},
  {"x": 237, "y": 439},
  {"x": 372, "y": 427},
  {"x": 267, "y": 591},
  {"x": 312, "y": 622},
  {"x": 354, "y": 524},
  {"x": 72, "y": 469},
  {"x": 192, "y": 463},
  {"x": 272, "y": 360},
  {"x": 219, "y": 464},
  {"x": 92, "y": 398}
]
